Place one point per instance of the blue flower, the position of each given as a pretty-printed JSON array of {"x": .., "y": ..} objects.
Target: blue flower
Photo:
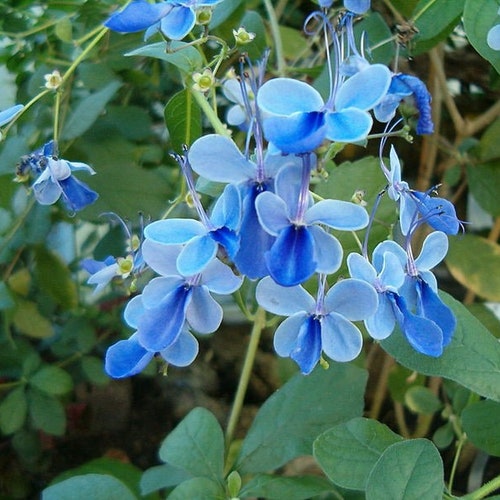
[
  {"x": 357, "y": 6},
  {"x": 8, "y": 114},
  {"x": 237, "y": 114},
  {"x": 302, "y": 246},
  {"x": 201, "y": 239},
  {"x": 169, "y": 301},
  {"x": 318, "y": 325},
  {"x": 297, "y": 120},
  {"x": 102, "y": 272},
  {"x": 386, "y": 274},
  {"x": 425, "y": 320},
  {"x": 218, "y": 159},
  {"x": 404, "y": 87},
  {"x": 173, "y": 18},
  {"x": 55, "y": 178},
  {"x": 493, "y": 36}
]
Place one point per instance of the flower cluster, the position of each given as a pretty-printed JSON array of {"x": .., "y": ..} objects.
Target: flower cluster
[{"x": 267, "y": 225}]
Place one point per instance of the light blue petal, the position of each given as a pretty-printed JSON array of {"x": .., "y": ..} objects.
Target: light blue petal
[
  {"x": 337, "y": 214},
  {"x": 8, "y": 114},
  {"x": 434, "y": 250},
  {"x": 236, "y": 116},
  {"x": 126, "y": 358},
  {"x": 272, "y": 213},
  {"x": 393, "y": 273},
  {"x": 196, "y": 255},
  {"x": 203, "y": 314},
  {"x": 288, "y": 185},
  {"x": 133, "y": 311},
  {"x": 327, "y": 250},
  {"x": 183, "y": 351},
  {"x": 284, "y": 301},
  {"x": 493, "y": 37},
  {"x": 46, "y": 191},
  {"x": 407, "y": 212},
  {"x": 365, "y": 89},
  {"x": 227, "y": 210},
  {"x": 395, "y": 167},
  {"x": 102, "y": 277},
  {"x": 430, "y": 279},
  {"x": 220, "y": 279},
  {"x": 360, "y": 268},
  {"x": 378, "y": 256},
  {"x": 286, "y": 96},
  {"x": 161, "y": 258},
  {"x": 340, "y": 339},
  {"x": 137, "y": 16},
  {"x": 77, "y": 166},
  {"x": 357, "y": 6},
  {"x": 178, "y": 22},
  {"x": 348, "y": 125},
  {"x": 273, "y": 163},
  {"x": 218, "y": 159},
  {"x": 159, "y": 288},
  {"x": 382, "y": 323},
  {"x": 286, "y": 334},
  {"x": 174, "y": 231},
  {"x": 296, "y": 133},
  {"x": 339, "y": 299}
]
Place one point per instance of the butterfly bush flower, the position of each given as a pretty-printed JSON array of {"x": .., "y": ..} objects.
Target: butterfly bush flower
[
  {"x": 318, "y": 325},
  {"x": 54, "y": 178},
  {"x": 9, "y": 114},
  {"x": 174, "y": 18},
  {"x": 201, "y": 240},
  {"x": 302, "y": 246}
]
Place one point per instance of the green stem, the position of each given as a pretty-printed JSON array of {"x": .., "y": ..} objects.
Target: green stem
[
  {"x": 218, "y": 126},
  {"x": 17, "y": 225},
  {"x": 258, "y": 326},
  {"x": 275, "y": 32},
  {"x": 484, "y": 491},
  {"x": 460, "y": 445}
]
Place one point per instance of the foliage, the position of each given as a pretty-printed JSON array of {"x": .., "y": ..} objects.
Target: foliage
[{"x": 300, "y": 161}]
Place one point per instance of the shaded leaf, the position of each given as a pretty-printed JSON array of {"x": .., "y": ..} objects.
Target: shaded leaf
[
  {"x": 28, "y": 320},
  {"x": 483, "y": 181},
  {"x": 407, "y": 470},
  {"x": 13, "y": 411},
  {"x": 422, "y": 400},
  {"x": 52, "y": 380},
  {"x": 199, "y": 488},
  {"x": 160, "y": 477},
  {"x": 95, "y": 486},
  {"x": 47, "y": 413},
  {"x": 472, "y": 358},
  {"x": 480, "y": 422},
  {"x": 348, "y": 452},
  {"x": 474, "y": 262},
  {"x": 433, "y": 16},
  {"x": 289, "y": 421}
]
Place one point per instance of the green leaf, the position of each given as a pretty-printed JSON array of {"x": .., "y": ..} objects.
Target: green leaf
[
  {"x": 483, "y": 181},
  {"x": 47, "y": 413},
  {"x": 487, "y": 317},
  {"x": 64, "y": 30},
  {"x": 93, "y": 369},
  {"x": 474, "y": 262},
  {"x": 54, "y": 277},
  {"x": 349, "y": 451},
  {"x": 472, "y": 358},
  {"x": 422, "y": 400},
  {"x": 52, "y": 380},
  {"x": 489, "y": 146},
  {"x": 480, "y": 422},
  {"x": 289, "y": 421},
  {"x": 407, "y": 470},
  {"x": 6, "y": 300},
  {"x": 94, "y": 486},
  {"x": 88, "y": 110},
  {"x": 198, "y": 488},
  {"x": 279, "y": 487},
  {"x": 479, "y": 17},
  {"x": 183, "y": 120},
  {"x": 13, "y": 411},
  {"x": 434, "y": 16},
  {"x": 179, "y": 54},
  {"x": 196, "y": 445},
  {"x": 28, "y": 320},
  {"x": 160, "y": 477}
]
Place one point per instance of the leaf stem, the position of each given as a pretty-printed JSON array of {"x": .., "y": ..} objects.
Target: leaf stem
[
  {"x": 214, "y": 120},
  {"x": 275, "y": 32},
  {"x": 258, "y": 326},
  {"x": 485, "y": 490}
]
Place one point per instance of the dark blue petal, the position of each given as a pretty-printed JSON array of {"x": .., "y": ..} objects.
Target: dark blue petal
[
  {"x": 228, "y": 239},
  {"x": 159, "y": 327},
  {"x": 423, "y": 334},
  {"x": 254, "y": 241},
  {"x": 137, "y": 16},
  {"x": 439, "y": 213},
  {"x": 126, "y": 358},
  {"x": 291, "y": 258},
  {"x": 76, "y": 194},
  {"x": 307, "y": 350},
  {"x": 432, "y": 307},
  {"x": 422, "y": 103}
]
